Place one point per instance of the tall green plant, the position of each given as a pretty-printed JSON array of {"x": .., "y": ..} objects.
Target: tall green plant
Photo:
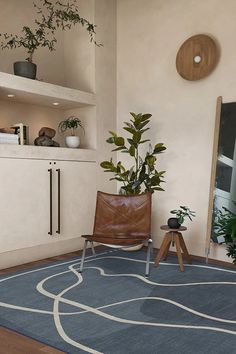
[
  {"x": 225, "y": 225},
  {"x": 142, "y": 176},
  {"x": 50, "y": 17}
]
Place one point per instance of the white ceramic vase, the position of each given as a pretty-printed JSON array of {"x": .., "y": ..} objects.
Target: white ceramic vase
[{"x": 72, "y": 141}]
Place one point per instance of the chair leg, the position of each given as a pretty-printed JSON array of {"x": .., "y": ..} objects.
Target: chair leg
[
  {"x": 151, "y": 249},
  {"x": 148, "y": 257},
  {"x": 83, "y": 256},
  {"x": 92, "y": 247}
]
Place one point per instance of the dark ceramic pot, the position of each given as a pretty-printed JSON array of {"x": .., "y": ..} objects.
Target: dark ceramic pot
[
  {"x": 25, "y": 69},
  {"x": 173, "y": 223}
]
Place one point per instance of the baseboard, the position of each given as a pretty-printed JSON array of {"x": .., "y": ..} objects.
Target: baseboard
[
  {"x": 62, "y": 248},
  {"x": 30, "y": 254},
  {"x": 203, "y": 259}
]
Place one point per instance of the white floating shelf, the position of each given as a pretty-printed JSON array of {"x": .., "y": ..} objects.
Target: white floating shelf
[
  {"x": 42, "y": 93},
  {"x": 47, "y": 153}
]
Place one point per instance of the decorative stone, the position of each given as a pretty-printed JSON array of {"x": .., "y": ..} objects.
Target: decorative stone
[
  {"x": 48, "y": 132},
  {"x": 45, "y": 137},
  {"x": 43, "y": 141},
  {"x": 55, "y": 143}
]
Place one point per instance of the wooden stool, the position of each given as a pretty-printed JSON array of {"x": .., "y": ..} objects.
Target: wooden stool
[{"x": 173, "y": 236}]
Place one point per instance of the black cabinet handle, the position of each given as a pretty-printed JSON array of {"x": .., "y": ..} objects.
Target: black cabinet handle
[
  {"x": 58, "y": 200},
  {"x": 50, "y": 201}
]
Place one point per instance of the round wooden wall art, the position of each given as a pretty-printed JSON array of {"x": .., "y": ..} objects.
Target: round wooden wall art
[{"x": 197, "y": 57}]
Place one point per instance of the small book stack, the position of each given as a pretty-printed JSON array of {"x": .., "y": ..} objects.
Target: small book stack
[
  {"x": 23, "y": 133},
  {"x": 8, "y": 138},
  {"x": 18, "y": 134}
]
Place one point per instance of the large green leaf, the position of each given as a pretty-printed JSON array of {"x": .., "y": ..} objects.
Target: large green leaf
[
  {"x": 137, "y": 137},
  {"x": 155, "y": 180},
  {"x": 146, "y": 116},
  {"x": 121, "y": 166},
  {"x": 137, "y": 122},
  {"x": 119, "y": 141},
  {"x": 130, "y": 141},
  {"x": 113, "y": 133},
  {"x": 106, "y": 164},
  {"x": 110, "y": 140},
  {"x": 144, "y": 130},
  {"x": 158, "y": 189},
  {"x": 150, "y": 159},
  {"x": 130, "y": 130},
  {"x": 143, "y": 141},
  {"x": 119, "y": 148},
  {"x": 142, "y": 124},
  {"x": 159, "y": 148},
  {"x": 133, "y": 115}
]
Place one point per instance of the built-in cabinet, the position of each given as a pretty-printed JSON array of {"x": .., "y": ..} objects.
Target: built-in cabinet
[
  {"x": 47, "y": 195},
  {"x": 37, "y": 206}
]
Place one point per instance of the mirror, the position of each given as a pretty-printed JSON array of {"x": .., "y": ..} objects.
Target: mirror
[{"x": 223, "y": 175}]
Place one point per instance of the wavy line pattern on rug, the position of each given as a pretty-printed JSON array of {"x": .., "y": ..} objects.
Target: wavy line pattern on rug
[{"x": 63, "y": 298}]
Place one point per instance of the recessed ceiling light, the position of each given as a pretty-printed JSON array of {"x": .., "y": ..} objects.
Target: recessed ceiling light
[
  {"x": 10, "y": 95},
  {"x": 56, "y": 103}
]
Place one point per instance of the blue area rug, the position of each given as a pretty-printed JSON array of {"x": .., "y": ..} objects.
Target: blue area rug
[{"x": 113, "y": 308}]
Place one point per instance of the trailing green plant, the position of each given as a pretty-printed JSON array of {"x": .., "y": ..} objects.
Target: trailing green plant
[
  {"x": 182, "y": 213},
  {"x": 225, "y": 225},
  {"x": 72, "y": 123},
  {"x": 51, "y": 16},
  {"x": 142, "y": 176}
]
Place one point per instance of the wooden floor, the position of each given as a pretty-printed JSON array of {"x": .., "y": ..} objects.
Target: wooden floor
[{"x": 14, "y": 343}]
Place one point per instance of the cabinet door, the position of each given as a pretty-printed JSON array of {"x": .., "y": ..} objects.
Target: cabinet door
[
  {"x": 78, "y": 198},
  {"x": 24, "y": 203}
]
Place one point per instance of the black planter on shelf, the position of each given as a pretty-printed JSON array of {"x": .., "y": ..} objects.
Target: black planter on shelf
[
  {"x": 25, "y": 69},
  {"x": 173, "y": 223}
]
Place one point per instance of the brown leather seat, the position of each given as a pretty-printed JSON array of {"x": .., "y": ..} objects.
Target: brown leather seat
[{"x": 121, "y": 220}]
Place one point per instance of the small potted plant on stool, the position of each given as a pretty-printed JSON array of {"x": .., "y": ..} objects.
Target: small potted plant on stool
[{"x": 181, "y": 214}]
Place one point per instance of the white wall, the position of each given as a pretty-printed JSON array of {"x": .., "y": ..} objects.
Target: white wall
[
  {"x": 79, "y": 52},
  {"x": 105, "y": 64},
  {"x": 149, "y": 34},
  {"x": 14, "y": 15}
]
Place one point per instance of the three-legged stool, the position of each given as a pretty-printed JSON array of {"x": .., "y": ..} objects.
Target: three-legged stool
[{"x": 175, "y": 237}]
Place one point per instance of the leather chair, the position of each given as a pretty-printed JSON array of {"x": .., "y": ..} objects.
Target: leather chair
[{"x": 121, "y": 221}]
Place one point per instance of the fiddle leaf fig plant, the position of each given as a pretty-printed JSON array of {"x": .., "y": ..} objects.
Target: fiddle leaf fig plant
[
  {"x": 51, "y": 17},
  {"x": 142, "y": 176}
]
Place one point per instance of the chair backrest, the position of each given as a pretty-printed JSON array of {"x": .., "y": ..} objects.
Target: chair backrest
[{"x": 121, "y": 215}]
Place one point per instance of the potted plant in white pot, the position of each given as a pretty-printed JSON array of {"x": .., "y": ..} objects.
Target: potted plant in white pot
[
  {"x": 71, "y": 124},
  {"x": 50, "y": 17}
]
